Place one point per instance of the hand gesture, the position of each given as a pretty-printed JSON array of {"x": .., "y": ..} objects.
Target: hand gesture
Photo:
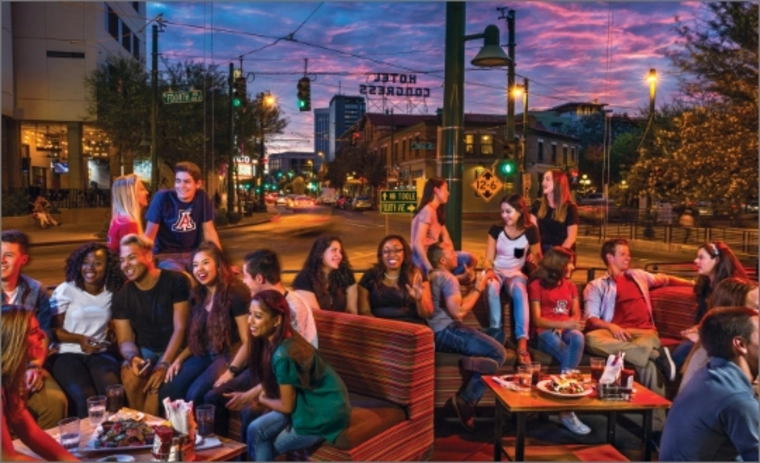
[
  {"x": 172, "y": 371},
  {"x": 156, "y": 378},
  {"x": 416, "y": 289},
  {"x": 238, "y": 400},
  {"x": 136, "y": 365},
  {"x": 226, "y": 376},
  {"x": 481, "y": 280},
  {"x": 691, "y": 333},
  {"x": 89, "y": 345},
  {"x": 34, "y": 379}
]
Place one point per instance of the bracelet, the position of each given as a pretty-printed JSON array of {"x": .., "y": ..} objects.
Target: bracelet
[
  {"x": 163, "y": 365},
  {"x": 233, "y": 369}
]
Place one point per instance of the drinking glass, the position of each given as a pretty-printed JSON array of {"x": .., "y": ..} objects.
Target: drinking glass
[
  {"x": 204, "y": 415},
  {"x": 115, "y": 395},
  {"x": 535, "y": 368},
  {"x": 69, "y": 432},
  {"x": 524, "y": 377},
  {"x": 96, "y": 408},
  {"x": 597, "y": 368}
]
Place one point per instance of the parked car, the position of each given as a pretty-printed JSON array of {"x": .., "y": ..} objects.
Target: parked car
[
  {"x": 343, "y": 202},
  {"x": 361, "y": 203},
  {"x": 300, "y": 202},
  {"x": 281, "y": 200}
]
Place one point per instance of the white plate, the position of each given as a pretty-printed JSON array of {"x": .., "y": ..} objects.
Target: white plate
[
  {"x": 117, "y": 458},
  {"x": 543, "y": 386}
]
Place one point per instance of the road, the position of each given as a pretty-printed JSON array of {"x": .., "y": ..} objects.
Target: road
[{"x": 291, "y": 237}]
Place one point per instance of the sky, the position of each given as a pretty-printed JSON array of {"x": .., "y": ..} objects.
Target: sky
[{"x": 570, "y": 52}]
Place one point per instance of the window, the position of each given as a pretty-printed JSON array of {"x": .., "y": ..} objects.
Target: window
[
  {"x": 486, "y": 144},
  {"x": 136, "y": 6},
  {"x": 554, "y": 153},
  {"x": 469, "y": 144},
  {"x": 112, "y": 20},
  {"x": 540, "y": 151},
  {"x": 564, "y": 155},
  {"x": 126, "y": 37},
  {"x": 135, "y": 47},
  {"x": 572, "y": 154}
]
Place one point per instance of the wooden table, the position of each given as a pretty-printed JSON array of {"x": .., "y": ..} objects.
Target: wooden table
[
  {"x": 227, "y": 451},
  {"x": 521, "y": 404}
]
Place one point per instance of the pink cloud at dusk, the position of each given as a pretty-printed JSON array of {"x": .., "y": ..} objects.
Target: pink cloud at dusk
[{"x": 562, "y": 48}]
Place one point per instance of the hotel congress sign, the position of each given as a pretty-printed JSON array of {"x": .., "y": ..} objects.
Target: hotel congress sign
[{"x": 393, "y": 84}]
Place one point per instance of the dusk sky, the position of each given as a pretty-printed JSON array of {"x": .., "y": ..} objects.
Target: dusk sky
[{"x": 561, "y": 47}]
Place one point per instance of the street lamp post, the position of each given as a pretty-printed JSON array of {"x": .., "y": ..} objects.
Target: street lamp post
[
  {"x": 453, "y": 105},
  {"x": 266, "y": 100},
  {"x": 523, "y": 187}
]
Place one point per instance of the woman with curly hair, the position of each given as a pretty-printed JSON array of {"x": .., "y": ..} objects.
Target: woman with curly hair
[
  {"x": 217, "y": 347},
  {"x": 81, "y": 309},
  {"x": 715, "y": 262},
  {"x": 128, "y": 198},
  {"x": 326, "y": 280},
  {"x": 22, "y": 341},
  {"x": 557, "y": 214},
  {"x": 393, "y": 288}
]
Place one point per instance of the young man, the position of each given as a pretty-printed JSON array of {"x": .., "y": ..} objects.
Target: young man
[
  {"x": 619, "y": 314},
  {"x": 150, "y": 315},
  {"x": 47, "y": 402},
  {"x": 260, "y": 272},
  {"x": 180, "y": 219},
  {"x": 485, "y": 354},
  {"x": 715, "y": 416}
]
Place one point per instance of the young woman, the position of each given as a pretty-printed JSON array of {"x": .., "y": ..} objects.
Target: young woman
[
  {"x": 218, "y": 334},
  {"x": 22, "y": 341},
  {"x": 429, "y": 226},
  {"x": 326, "y": 280},
  {"x": 556, "y": 314},
  {"x": 731, "y": 292},
  {"x": 81, "y": 309},
  {"x": 128, "y": 198},
  {"x": 40, "y": 210},
  {"x": 507, "y": 249},
  {"x": 557, "y": 214},
  {"x": 393, "y": 288},
  {"x": 715, "y": 262},
  {"x": 308, "y": 400}
]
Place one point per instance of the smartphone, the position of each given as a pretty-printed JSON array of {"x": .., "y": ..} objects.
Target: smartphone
[{"x": 144, "y": 368}]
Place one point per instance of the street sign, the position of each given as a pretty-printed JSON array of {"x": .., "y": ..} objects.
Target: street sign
[
  {"x": 398, "y": 202},
  {"x": 426, "y": 145},
  {"x": 195, "y": 96},
  {"x": 487, "y": 184}
]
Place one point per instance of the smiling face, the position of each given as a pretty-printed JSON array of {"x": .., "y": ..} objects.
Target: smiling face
[
  {"x": 142, "y": 194},
  {"x": 509, "y": 215},
  {"x": 393, "y": 254},
  {"x": 442, "y": 193},
  {"x": 134, "y": 261},
  {"x": 705, "y": 262},
  {"x": 332, "y": 257},
  {"x": 621, "y": 261},
  {"x": 185, "y": 186},
  {"x": 35, "y": 340},
  {"x": 205, "y": 269},
  {"x": 12, "y": 261},
  {"x": 753, "y": 299},
  {"x": 547, "y": 184},
  {"x": 94, "y": 267},
  {"x": 261, "y": 323}
]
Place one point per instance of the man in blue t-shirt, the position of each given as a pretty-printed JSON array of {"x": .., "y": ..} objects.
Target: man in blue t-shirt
[
  {"x": 180, "y": 219},
  {"x": 715, "y": 416}
]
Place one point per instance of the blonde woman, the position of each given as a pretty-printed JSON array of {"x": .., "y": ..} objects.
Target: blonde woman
[{"x": 128, "y": 198}]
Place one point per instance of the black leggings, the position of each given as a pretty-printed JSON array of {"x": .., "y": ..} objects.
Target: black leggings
[{"x": 82, "y": 376}]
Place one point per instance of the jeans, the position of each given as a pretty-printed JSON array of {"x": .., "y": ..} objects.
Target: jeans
[
  {"x": 566, "y": 346},
  {"x": 681, "y": 352},
  {"x": 459, "y": 339},
  {"x": 195, "y": 378},
  {"x": 517, "y": 287},
  {"x": 271, "y": 435},
  {"x": 242, "y": 382},
  {"x": 177, "y": 261},
  {"x": 82, "y": 376},
  {"x": 464, "y": 259}
]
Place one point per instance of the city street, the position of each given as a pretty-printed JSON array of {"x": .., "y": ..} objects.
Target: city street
[{"x": 291, "y": 237}]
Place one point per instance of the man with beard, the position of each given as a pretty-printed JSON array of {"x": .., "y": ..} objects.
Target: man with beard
[{"x": 150, "y": 314}]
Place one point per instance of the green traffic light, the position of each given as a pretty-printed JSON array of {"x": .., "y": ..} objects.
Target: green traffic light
[
  {"x": 507, "y": 168},
  {"x": 236, "y": 102},
  {"x": 301, "y": 103}
]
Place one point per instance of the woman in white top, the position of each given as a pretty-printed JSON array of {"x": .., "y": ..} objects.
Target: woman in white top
[
  {"x": 81, "y": 309},
  {"x": 507, "y": 250}
]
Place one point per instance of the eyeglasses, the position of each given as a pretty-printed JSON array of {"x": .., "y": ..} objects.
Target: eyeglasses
[{"x": 388, "y": 252}]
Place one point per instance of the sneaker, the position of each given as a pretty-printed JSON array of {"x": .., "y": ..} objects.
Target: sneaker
[
  {"x": 665, "y": 363},
  {"x": 465, "y": 412},
  {"x": 482, "y": 365},
  {"x": 571, "y": 422}
]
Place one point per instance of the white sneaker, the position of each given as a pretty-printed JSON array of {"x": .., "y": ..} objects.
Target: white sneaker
[{"x": 572, "y": 423}]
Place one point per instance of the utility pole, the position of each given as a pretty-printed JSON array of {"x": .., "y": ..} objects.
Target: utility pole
[
  {"x": 525, "y": 191},
  {"x": 154, "y": 113},
  {"x": 509, "y": 15},
  {"x": 231, "y": 154}
]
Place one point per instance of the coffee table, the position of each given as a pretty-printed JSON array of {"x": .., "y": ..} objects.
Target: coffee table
[
  {"x": 521, "y": 404},
  {"x": 227, "y": 451}
]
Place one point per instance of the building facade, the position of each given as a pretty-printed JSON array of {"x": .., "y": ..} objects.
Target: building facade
[
  {"x": 48, "y": 50},
  {"x": 345, "y": 111},
  {"x": 300, "y": 162},
  {"x": 322, "y": 130}
]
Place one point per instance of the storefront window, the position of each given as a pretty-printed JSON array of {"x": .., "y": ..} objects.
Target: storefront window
[{"x": 486, "y": 145}]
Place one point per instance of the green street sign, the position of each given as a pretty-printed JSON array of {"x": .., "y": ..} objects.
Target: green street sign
[
  {"x": 195, "y": 96},
  {"x": 398, "y": 202}
]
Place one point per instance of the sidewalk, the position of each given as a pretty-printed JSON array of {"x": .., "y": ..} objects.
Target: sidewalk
[{"x": 79, "y": 233}]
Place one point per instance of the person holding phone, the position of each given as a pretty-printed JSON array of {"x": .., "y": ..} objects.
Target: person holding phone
[
  {"x": 81, "y": 308},
  {"x": 150, "y": 315}
]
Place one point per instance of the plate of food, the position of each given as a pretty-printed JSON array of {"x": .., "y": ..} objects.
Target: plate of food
[
  {"x": 121, "y": 435},
  {"x": 566, "y": 388},
  {"x": 127, "y": 414}
]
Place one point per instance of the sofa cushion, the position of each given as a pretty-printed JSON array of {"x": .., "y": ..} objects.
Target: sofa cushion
[
  {"x": 673, "y": 309},
  {"x": 369, "y": 417}
]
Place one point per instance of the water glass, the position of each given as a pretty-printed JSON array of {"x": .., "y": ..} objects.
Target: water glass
[
  {"x": 524, "y": 377},
  {"x": 115, "y": 395},
  {"x": 204, "y": 415},
  {"x": 535, "y": 369},
  {"x": 69, "y": 432},
  {"x": 597, "y": 368},
  {"x": 96, "y": 408}
]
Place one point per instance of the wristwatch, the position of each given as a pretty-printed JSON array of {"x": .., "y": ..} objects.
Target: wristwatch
[{"x": 234, "y": 370}]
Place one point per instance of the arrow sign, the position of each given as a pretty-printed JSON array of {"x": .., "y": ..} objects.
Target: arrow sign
[{"x": 398, "y": 201}]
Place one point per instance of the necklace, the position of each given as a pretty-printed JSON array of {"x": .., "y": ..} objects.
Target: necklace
[{"x": 390, "y": 277}]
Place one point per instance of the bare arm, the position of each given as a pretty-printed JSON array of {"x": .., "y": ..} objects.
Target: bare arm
[
  {"x": 285, "y": 404},
  {"x": 209, "y": 233},
  {"x": 535, "y": 251},
  {"x": 180, "y": 314},
  {"x": 419, "y": 247},
  {"x": 38, "y": 441},
  {"x": 572, "y": 235},
  {"x": 151, "y": 230},
  {"x": 490, "y": 253},
  {"x": 458, "y": 307},
  {"x": 241, "y": 356},
  {"x": 364, "y": 307},
  {"x": 351, "y": 296}
]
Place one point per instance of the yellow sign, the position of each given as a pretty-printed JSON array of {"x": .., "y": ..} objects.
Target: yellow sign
[{"x": 487, "y": 184}]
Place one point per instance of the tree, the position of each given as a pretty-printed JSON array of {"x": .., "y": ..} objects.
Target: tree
[
  {"x": 367, "y": 165},
  {"x": 336, "y": 174}
]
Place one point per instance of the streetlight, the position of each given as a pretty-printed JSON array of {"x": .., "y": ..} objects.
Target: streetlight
[
  {"x": 490, "y": 55},
  {"x": 652, "y": 79},
  {"x": 517, "y": 91}
]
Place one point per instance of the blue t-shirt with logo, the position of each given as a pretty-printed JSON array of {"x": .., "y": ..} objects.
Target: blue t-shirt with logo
[{"x": 180, "y": 224}]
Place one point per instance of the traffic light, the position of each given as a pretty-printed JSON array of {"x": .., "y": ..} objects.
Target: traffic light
[
  {"x": 238, "y": 92},
  {"x": 355, "y": 136},
  {"x": 507, "y": 167},
  {"x": 304, "y": 94},
  {"x": 574, "y": 176}
]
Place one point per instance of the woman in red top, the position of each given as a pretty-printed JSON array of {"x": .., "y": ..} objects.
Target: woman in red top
[
  {"x": 128, "y": 198},
  {"x": 556, "y": 314}
]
